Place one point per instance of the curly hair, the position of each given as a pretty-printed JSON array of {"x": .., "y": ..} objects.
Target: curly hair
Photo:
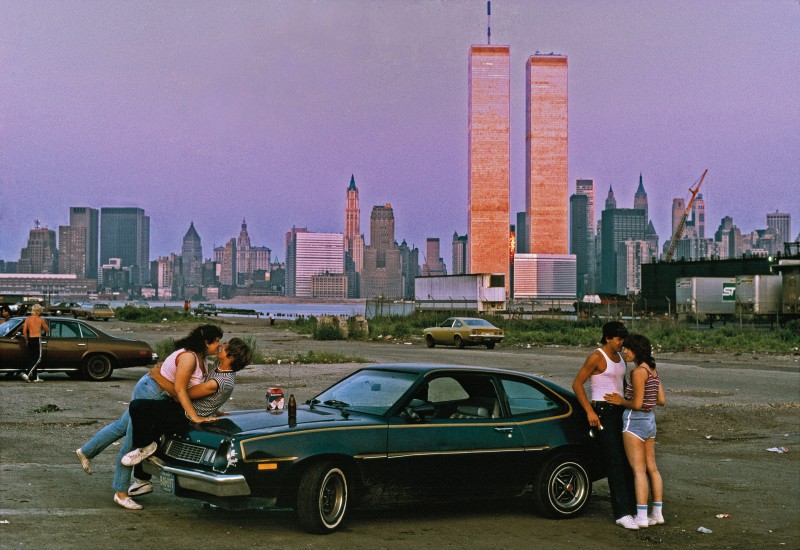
[
  {"x": 199, "y": 338},
  {"x": 641, "y": 349}
]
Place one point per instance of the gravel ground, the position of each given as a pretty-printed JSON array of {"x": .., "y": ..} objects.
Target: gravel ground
[{"x": 724, "y": 412}]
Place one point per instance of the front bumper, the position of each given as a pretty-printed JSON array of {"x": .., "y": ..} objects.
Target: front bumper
[{"x": 190, "y": 479}]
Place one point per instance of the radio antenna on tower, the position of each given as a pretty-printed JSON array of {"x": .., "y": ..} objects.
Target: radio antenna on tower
[{"x": 489, "y": 22}]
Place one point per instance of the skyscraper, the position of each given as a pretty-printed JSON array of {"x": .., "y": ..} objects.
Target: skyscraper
[
  {"x": 88, "y": 218},
  {"x": 699, "y": 217},
  {"x": 41, "y": 254},
  {"x": 618, "y": 225},
  {"x": 488, "y": 160},
  {"x": 72, "y": 250},
  {"x": 311, "y": 255},
  {"x": 434, "y": 265},
  {"x": 546, "y": 158},
  {"x": 678, "y": 208},
  {"x": 459, "y": 265},
  {"x": 782, "y": 223},
  {"x": 125, "y": 234},
  {"x": 586, "y": 187},
  {"x": 579, "y": 241},
  {"x": 192, "y": 258},
  {"x": 611, "y": 201},
  {"x": 640, "y": 198},
  {"x": 383, "y": 271}
]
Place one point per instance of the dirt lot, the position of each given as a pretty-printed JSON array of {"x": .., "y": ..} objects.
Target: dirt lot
[{"x": 723, "y": 413}]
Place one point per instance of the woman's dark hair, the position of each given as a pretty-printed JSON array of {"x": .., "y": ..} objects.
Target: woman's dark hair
[
  {"x": 199, "y": 338},
  {"x": 240, "y": 352},
  {"x": 641, "y": 349}
]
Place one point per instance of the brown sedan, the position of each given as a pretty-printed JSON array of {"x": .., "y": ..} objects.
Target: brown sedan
[{"x": 75, "y": 348}]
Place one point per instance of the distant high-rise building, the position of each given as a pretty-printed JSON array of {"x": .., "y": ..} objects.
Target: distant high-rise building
[
  {"x": 72, "y": 250},
  {"x": 125, "y": 234},
  {"x": 782, "y": 224},
  {"x": 546, "y": 158},
  {"x": 312, "y": 254},
  {"x": 434, "y": 265},
  {"x": 618, "y": 225},
  {"x": 226, "y": 257},
  {"x": 611, "y": 202},
  {"x": 41, "y": 254},
  {"x": 488, "y": 160},
  {"x": 630, "y": 257},
  {"x": 88, "y": 218},
  {"x": 353, "y": 238},
  {"x": 522, "y": 232},
  {"x": 699, "y": 217},
  {"x": 640, "y": 198},
  {"x": 249, "y": 258},
  {"x": 579, "y": 240},
  {"x": 192, "y": 258},
  {"x": 723, "y": 237},
  {"x": 459, "y": 265},
  {"x": 678, "y": 208},
  {"x": 409, "y": 260},
  {"x": 586, "y": 187},
  {"x": 383, "y": 270}
]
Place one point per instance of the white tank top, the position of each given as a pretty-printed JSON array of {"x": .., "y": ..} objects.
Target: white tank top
[
  {"x": 170, "y": 367},
  {"x": 609, "y": 381}
]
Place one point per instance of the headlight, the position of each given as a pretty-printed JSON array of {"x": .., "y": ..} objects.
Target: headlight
[{"x": 225, "y": 456}]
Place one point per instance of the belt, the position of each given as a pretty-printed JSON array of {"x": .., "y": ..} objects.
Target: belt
[{"x": 606, "y": 405}]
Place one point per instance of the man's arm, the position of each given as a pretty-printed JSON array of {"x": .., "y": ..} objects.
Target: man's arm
[
  {"x": 195, "y": 392},
  {"x": 588, "y": 368}
]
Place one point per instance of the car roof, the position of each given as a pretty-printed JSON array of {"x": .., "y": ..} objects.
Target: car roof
[{"x": 432, "y": 367}]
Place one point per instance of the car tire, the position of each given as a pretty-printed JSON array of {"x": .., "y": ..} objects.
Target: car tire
[
  {"x": 458, "y": 341},
  {"x": 322, "y": 498},
  {"x": 97, "y": 368},
  {"x": 429, "y": 341},
  {"x": 489, "y": 345},
  {"x": 562, "y": 487}
]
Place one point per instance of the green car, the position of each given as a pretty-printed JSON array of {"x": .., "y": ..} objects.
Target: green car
[
  {"x": 464, "y": 331},
  {"x": 390, "y": 435}
]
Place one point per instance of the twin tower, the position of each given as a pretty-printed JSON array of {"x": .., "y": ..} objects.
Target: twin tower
[{"x": 546, "y": 229}]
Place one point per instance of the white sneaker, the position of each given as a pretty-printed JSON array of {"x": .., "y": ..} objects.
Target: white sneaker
[
  {"x": 127, "y": 503},
  {"x": 656, "y": 520},
  {"x": 643, "y": 523},
  {"x": 25, "y": 377},
  {"x": 84, "y": 461},
  {"x": 137, "y": 455},
  {"x": 628, "y": 523},
  {"x": 140, "y": 487}
]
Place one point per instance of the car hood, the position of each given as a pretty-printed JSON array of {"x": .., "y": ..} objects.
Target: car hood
[{"x": 258, "y": 422}]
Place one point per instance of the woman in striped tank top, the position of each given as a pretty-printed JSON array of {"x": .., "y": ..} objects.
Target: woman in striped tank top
[{"x": 639, "y": 426}]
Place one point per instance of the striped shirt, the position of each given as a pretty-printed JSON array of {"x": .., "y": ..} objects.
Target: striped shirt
[
  {"x": 208, "y": 405},
  {"x": 651, "y": 386}
]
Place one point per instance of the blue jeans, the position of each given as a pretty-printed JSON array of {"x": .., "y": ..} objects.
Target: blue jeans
[{"x": 146, "y": 388}]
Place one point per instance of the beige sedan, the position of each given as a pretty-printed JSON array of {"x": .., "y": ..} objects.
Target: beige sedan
[{"x": 464, "y": 331}]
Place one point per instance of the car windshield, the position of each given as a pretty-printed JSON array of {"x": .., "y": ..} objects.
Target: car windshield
[
  {"x": 8, "y": 326},
  {"x": 478, "y": 323},
  {"x": 369, "y": 391}
]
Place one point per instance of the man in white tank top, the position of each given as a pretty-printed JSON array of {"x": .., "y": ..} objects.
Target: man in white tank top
[{"x": 605, "y": 370}]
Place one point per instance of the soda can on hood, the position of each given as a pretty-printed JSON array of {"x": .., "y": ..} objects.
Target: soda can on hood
[{"x": 275, "y": 399}]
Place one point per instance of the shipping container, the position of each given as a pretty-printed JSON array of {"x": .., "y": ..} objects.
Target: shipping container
[
  {"x": 709, "y": 296},
  {"x": 758, "y": 294},
  {"x": 476, "y": 292}
]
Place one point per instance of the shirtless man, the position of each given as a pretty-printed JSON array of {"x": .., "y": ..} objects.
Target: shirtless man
[{"x": 33, "y": 329}]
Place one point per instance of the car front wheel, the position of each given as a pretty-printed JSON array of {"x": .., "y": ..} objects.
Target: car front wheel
[
  {"x": 459, "y": 342},
  {"x": 562, "y": 487},
  {"x": 97, "y": 368},
  {"x": 322, "y": 498},
  {"x": 429, "y": 341}
]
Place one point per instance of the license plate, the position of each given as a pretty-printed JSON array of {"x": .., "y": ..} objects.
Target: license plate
[{"x": 167, "y": 482}]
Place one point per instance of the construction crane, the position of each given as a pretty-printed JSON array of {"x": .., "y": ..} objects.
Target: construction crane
[{"x": 673, "y": 243}]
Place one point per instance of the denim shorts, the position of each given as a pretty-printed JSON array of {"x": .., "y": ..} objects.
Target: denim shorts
[{"x": 641, "y": 424}]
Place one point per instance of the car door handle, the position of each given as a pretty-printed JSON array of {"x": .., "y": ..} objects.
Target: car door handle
[
  {"x": 504, "y": 429},
  {"x": 82, "y": 345}
]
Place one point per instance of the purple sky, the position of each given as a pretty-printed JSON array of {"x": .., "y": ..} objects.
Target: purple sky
[{"x": 217, "y": 111}]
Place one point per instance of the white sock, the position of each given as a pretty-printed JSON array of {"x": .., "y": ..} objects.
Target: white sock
[
  {"x": 657, "y": 509},
  {"x": 641, "y": 511}
]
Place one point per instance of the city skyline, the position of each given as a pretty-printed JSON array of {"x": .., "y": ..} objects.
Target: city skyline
[{"x": 263, "y": 111}]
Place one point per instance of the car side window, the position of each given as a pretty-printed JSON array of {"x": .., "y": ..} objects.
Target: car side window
[
  {"x": 64, "y": 329},
  {"x": 445, "y": 389},
  {"x": 86, "y": 332},
  {"x": 464, "y": 397},
  {"x": 527, "y": 398}
]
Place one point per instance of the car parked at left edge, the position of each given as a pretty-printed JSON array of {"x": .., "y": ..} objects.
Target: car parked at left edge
[{"x": 73, "y": 347}]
